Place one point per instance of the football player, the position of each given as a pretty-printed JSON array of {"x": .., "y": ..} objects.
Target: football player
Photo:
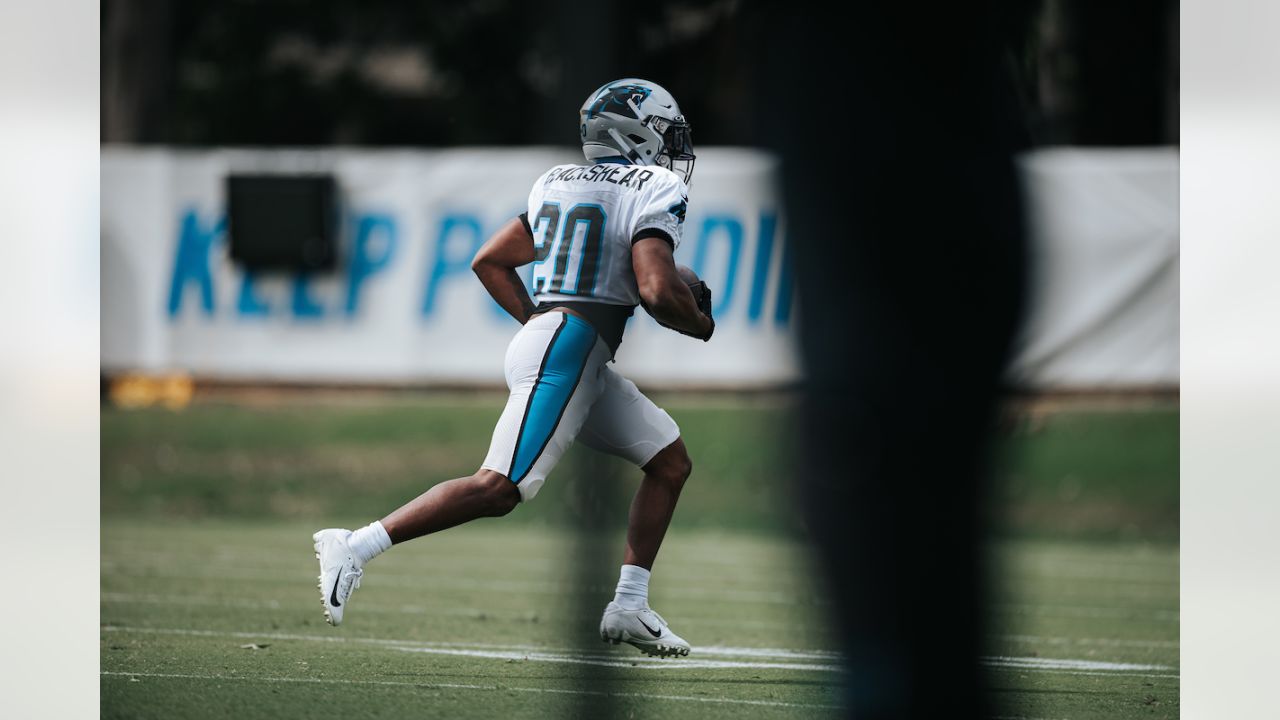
[{"x": 600, "y": 237}]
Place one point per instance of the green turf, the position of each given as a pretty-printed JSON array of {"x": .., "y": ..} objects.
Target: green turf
[
  {"x": 205, "y": 549},
  {"x": 1109, "y": 475},
  {"x": 1099, "y": 474},
  {"x": 179, "y": 602}
]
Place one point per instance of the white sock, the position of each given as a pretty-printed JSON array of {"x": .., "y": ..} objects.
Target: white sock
[
  {"x": 369, "y": 542},
  {"x": 633, "y": 588}
]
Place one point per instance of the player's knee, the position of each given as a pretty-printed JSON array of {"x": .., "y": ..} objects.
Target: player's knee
[
  {"x": 500, "y": 494},
  {"x": 683, "y": 468},
  {"x": 673, "y": 467}
]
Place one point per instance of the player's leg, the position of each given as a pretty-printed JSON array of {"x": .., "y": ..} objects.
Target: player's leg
[
  {"x": 552, "y": 368},
  {"x": 450, "y": 503},
  {"x": 655, "y": 502},
  {"x": 343, "y": 554},
  {"x": 625, "y": 423}
]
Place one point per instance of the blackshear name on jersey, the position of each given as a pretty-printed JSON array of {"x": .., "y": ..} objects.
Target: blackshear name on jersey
[
  {"x": 620, "y": 175},
  {"x": 584, "y": 219}
]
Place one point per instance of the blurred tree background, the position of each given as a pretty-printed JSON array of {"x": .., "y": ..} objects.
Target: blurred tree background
[
  {"x": 287, "y": 72},
  {"x": 502, "y": 72}
]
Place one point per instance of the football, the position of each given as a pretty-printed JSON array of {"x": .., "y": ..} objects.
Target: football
[{"x": 687, "y": 274}]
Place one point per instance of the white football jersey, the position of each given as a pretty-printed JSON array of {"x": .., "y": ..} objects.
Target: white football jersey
[{"x": 584, "y": 218}]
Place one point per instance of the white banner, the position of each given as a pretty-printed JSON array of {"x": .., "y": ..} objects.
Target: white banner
[
  {"x": 404, "y": 306},
  {"x": 1103, "y": 308}
]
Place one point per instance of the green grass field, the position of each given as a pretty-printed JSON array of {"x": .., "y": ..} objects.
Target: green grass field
[{"x": 209, "y": 607}]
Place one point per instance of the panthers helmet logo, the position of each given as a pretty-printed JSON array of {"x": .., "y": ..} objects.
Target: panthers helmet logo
[{"x": 615, "y": 99}]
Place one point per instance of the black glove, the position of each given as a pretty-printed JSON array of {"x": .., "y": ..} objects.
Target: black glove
[{"x": 701, "y": 296}]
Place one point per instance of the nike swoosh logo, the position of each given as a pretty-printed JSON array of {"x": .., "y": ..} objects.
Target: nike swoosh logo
[
  {"x": 655, "y": 633},
  {"x": 333, "y": 594}
]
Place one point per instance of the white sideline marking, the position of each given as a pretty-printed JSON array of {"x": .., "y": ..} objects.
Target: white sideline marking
[
  {"x": 313, "y": 638},
  {"x": 407, "y": 609},
  {"x": 1021, "y": 717},
  {"x": 647, "y": 663},
  {"x": 535, "y": 587},
  {"x": 574, "y": 656},
  {"x": 1078, "y": 667},
  {"x": 506, "y": 652},
  {"x": 458, "y": 556},
  {"x": 462, "y": 686},
  {"x": 1036, "y": 662},
  {"x": 714, "y": 650},
  {"x": 1088, "y": 611},
  {"x": 1173, "y": 676},
  {"x": 165, "y": 599},
  {"x": 159, "y": 599},
  {"x": 1105, "y": 642},
  {"x": 768, "y": 652},
  {"x": 471, "y": 612}
]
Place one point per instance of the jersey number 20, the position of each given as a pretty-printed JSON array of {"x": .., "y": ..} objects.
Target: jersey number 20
[{"x": 576, "y": 244}]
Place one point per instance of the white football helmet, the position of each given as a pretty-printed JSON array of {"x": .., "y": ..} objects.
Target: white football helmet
[{"x": 637, "y": 121}]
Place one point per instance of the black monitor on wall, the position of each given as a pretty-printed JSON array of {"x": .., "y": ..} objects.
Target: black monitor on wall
[{"x": 283, "y": 223}]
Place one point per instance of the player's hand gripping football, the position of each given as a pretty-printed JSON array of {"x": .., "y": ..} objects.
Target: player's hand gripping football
[{"x": 701, "y": 296}]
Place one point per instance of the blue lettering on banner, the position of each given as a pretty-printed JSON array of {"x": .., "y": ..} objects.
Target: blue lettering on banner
[
  {"x": 760, "y": 273},
  {"x": 304, "y": 306},
  {"x": 463, "y": 232},
  {"x": 364, "y": 262},
  {"x": 191, "y": 261},
  {"x": 782, "y": 311},
  {"x": 249, "y": 305},
  {"x": 375, "y": 249},
  {"x": 733, "y": 231}
]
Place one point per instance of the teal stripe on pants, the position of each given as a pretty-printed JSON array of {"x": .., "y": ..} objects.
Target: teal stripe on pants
[{"x": 558, "y": 377}]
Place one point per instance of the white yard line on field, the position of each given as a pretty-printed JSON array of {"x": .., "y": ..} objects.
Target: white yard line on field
[
  {"x": 621, "y": 661},
  {"x": 1102, "y": 642},
  {"x": 727, "y": 651},
  {"x": 577, "y": 656},
  {"x": 1038, "y": 663},
  {"x": 463, "y": 686},
  {"x": 455, "y": 558},
  {"x": 714, "y": 651},
  {"x": 540, "y": 587},
  {"x": 1021, "y": 717},
  {"x": 1088, "y": 611},
  {"x": 405, "y": 609},
  {"x": 310, "y": 638},
  {"x": 532, "y": 652},
  {"x": 561, "y": 588},
  {"x": 187, "y": 600},
  {"x": 1079, "y": 667},
  {"x": 1097, "y": 673},
  {"x": 473, "y": 612}
]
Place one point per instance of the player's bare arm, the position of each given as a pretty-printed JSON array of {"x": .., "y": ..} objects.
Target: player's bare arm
[
  {"x": 495, "y": 264},
  {"x": 666, "y": 296}
]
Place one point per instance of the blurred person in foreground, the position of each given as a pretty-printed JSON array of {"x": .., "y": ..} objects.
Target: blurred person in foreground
[
  {"x": 601, "y": 237},
  {"x": 896, "y": 128}
]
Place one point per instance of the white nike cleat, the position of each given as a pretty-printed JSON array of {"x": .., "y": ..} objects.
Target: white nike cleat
[
  {"x": 643, "y": 628},
  {"x": 339, "y": 574}
]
